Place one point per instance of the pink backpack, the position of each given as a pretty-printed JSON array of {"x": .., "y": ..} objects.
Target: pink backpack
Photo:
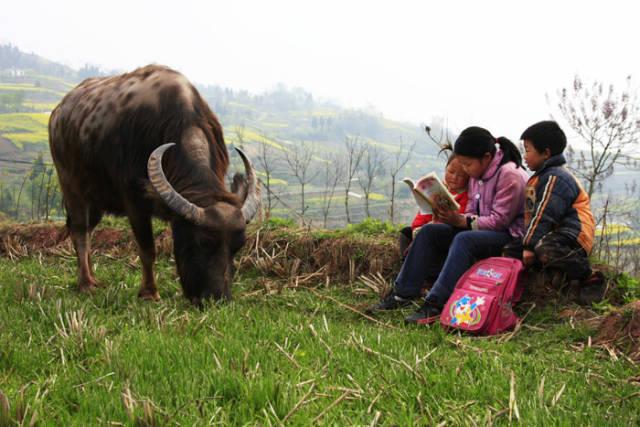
[{"x": 481, "y": 302}]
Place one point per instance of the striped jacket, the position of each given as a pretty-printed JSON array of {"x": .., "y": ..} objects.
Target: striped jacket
[{"x": 555, "y": 201}]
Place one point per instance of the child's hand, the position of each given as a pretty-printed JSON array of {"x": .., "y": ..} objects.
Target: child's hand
[
  {"x": 451, "y": 217},
  {"x": 416, "y": 231},
  {"x": 528, "y": 257}
]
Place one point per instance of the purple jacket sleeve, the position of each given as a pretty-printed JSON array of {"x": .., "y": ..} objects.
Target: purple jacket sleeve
[
  {"x": 507, "y": 203},
  {"x": 471, "y": 202}
]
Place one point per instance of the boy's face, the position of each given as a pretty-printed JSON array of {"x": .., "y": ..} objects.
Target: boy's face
[
  {"x": 455, "y": 177},
  {"x": 533, "y": 157}
]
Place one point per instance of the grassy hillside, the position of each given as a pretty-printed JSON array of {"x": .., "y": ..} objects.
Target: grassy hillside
[
  {"x": 279, "y": 117},
  {"x": 288, "y": 350}
]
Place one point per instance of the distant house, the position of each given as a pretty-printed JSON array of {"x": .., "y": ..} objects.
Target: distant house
[{"x": 13, "y": 72}]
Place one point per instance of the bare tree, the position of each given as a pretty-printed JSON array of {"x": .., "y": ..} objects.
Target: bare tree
[
  {"x": 239, "y": 131},
  {"x": 299, "y": 158},
  {"x": 608, "y": 120},
  {"x": 268, "y": 162},
  {"x": 372, "y": 167},
  {"x": 333, "y": 171},
  {"x": 24, "y": 180},
  {"x": 354, "y": 152},
  {"x": 399, "y": 161},
  {"x": 50, "y": 187}
]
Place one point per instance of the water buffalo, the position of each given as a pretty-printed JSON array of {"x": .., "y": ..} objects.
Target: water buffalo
[{"x": 146, "y": 144}]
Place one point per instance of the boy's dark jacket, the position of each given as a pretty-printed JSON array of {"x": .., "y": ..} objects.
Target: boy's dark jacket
[{"x": 557, "y": 202}]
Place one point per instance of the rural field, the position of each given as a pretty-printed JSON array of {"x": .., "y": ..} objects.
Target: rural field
[{"x": 292, "y": 348}]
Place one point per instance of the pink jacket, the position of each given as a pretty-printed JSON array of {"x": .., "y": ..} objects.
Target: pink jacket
[{"x": 497, "y": 199}]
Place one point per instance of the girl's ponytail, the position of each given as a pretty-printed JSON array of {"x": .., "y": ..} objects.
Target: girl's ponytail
[
  {"x": 511, "y": 152},
  {"x": 448, "y": 149}
]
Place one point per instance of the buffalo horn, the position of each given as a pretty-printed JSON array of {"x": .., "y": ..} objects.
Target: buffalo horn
[
  {"x": 251, "y": 202},
  {"x": 171, "y": 197}
]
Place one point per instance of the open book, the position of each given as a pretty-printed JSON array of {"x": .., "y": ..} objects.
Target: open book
[{"x": 429, "y": 191}]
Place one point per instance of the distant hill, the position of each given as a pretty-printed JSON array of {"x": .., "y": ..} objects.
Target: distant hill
[{"x": 31, "y": 86}]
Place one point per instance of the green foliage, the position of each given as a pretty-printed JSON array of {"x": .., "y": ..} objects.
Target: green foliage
[
  {"x": 372, "y": 226},
  {"x": 628, "y": 287},
  {"x": 623, "y": 289},
  {"x": 277, "y": 222}
]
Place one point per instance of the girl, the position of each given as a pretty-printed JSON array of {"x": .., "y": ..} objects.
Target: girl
[
  {"x": 494, "y": 216},
  {"x": 455, "y": 179}
]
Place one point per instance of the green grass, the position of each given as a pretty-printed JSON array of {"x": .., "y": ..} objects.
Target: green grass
[
  {"x": 250, "y": 135},
  {"x": 291, "y": 357},
  {"x": 23, "y": 122},
  {"x": 52, "y": 81},
  {"x": 272, "y": 180},
  {"x": 613, "y": 229},
  {"x": 274, "y": 125},
  {"x": 25, "y": 128},
  {"x": 41, "y": 106},
  {"x": 20, "y": 139},
  {"x": 29, "y": 89}
]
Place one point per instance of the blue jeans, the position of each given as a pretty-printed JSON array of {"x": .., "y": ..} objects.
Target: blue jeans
[{"x": 444, "y": 253}]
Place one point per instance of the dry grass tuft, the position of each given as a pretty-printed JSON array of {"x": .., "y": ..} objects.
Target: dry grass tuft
[{"x": 302, "y": 257}]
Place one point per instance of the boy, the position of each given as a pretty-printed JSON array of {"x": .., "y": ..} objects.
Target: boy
[{"x": 559, "y": 225}]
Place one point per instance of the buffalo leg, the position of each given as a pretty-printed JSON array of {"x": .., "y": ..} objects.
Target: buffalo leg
[
  {"x": 79, "y": 226},
  {"x": 141, "y": 225}
]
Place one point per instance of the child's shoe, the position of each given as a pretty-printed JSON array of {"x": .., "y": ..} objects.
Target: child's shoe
[
  {"x": 427, "y": 314},
  {"x": 592, "y": 289},
  {"x": 392, "y": 301}
]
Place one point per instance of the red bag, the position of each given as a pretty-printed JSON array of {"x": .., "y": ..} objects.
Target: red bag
[{"x": 481, "y": 302}]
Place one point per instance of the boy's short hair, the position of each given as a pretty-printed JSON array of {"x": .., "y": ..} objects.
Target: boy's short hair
[{"x": 546, "y": 134}]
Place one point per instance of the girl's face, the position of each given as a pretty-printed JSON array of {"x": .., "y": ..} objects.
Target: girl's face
[
  {"x": 454, "y": 176},
  {"x": 474, "y": 167}
]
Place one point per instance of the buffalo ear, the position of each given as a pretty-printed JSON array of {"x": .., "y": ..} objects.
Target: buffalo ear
[
  {"x": 239, "y": 186},
  {"x": 251, "y": 201}
]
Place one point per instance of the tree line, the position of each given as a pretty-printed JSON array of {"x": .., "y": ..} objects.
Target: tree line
[{"x": 35, "y": 193}]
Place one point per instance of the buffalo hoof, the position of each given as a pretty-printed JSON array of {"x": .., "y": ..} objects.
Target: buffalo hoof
[
  {"x": 149, "y": 295},
  {"x": 88, "y": 286},
  {"x": 88, "y": 289}
]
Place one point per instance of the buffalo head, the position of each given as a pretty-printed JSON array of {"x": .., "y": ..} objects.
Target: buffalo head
[{"x": 206, "y": 238}]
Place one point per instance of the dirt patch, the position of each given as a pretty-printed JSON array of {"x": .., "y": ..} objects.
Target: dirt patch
[
  {"x": 621, "y": 330},
  {"x": 290, "y": 254},
  {"x": 23, "y": 240},
  {"x": 26, "y": 239}
]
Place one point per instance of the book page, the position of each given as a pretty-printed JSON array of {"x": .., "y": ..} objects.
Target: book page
[
  {"x": 436, "y": 193},
  {"x": 423, "y": 204}
]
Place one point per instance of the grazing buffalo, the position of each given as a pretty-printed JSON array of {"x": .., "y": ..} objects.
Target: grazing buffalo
[{"x": 146, "y": 144}]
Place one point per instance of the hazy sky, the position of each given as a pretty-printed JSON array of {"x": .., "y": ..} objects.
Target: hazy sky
[{"x": 484, "y": 62}]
